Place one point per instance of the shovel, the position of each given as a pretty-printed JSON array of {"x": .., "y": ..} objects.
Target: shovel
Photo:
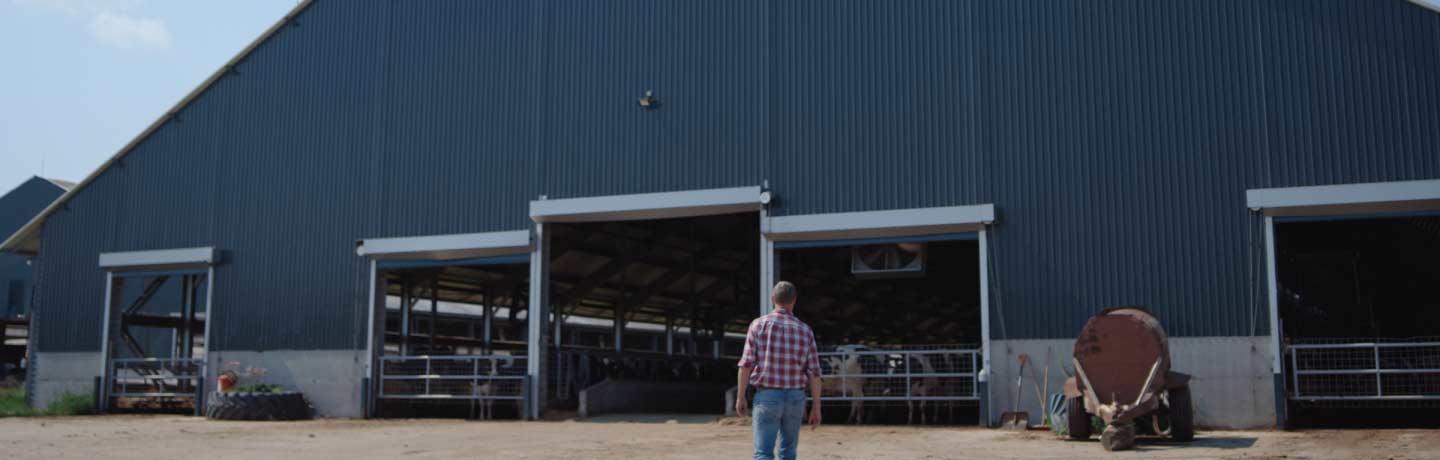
[{"x": 1017, "y": 419}]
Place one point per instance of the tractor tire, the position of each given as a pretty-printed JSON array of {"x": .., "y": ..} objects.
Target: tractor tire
[
  {"x": 258, "y": 406},
  {"x": 1077, "y": 422},
  {"x": 1182, "y": 415}
]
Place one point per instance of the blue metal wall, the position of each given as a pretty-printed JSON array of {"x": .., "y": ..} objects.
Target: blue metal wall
[
  {"x": 1116, "y": 137},
  {"x": 17, "y": 207}
]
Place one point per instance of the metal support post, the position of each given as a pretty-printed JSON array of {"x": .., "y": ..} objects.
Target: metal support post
[
  {"x": 669, "y": 334},
  {"x": 489, "y": 305},
  {"x": 434, "y": 310},
  {"x": 405, "y": 305},
  {"x": 539, "y": 300}
]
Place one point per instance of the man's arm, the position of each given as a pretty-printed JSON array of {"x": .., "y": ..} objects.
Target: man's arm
[
  {"x": 742, "y": 383},
  {"x": 742, "y": 378},
  {"x": 813, "y": 368}
]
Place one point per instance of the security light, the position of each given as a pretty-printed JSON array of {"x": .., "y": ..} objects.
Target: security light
[{"x": 649, "y": 102}]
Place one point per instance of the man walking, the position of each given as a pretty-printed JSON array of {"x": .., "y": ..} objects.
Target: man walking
[{"x": 780, "y": 359}]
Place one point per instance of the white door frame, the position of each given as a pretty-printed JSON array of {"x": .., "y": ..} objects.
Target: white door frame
[
  {"x": 159, "y": 262},
  {"x": 1373, "y": 198},
  {"x": 614, "y": 208},
  {"x": 890, "y": 224},
  {"x": 429, "y": 247}
]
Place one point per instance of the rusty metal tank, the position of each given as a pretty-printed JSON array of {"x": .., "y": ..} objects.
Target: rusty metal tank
[
  {"x": 1122, "y": 374},
  {"x": 1118, "y": 347}
]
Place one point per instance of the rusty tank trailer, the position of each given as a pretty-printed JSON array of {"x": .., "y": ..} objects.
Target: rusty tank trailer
[{"x": 1122, "y": 374}]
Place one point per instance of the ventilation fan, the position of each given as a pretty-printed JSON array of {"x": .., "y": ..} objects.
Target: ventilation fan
[{"x": 888, "y": 260}]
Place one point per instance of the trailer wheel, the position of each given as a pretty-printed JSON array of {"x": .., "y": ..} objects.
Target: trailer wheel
[
  {"x": 1076, "y": 420},
  {"x": 1182, "y": 415}
]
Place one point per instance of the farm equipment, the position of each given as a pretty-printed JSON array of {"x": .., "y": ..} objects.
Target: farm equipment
[{"x": 1122, "y": 374}]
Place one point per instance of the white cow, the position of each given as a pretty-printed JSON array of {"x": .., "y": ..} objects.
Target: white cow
[
  {"x": 487, "y": 388},
  {"x": 853, "y": 387},
  {"x": 922, "y": 387}
]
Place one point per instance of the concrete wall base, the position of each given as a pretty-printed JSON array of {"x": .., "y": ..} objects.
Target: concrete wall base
[
  {"x": 630, "y": 396},
  {"x": 330, "y": 379},
  {"x": 1232, "y": 386},
  {"x": 58, "y": 373}
]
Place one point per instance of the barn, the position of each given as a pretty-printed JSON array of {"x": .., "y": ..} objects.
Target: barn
[
  {"x": 17, "y": 278},
  {"x": 527, "y": 207}
]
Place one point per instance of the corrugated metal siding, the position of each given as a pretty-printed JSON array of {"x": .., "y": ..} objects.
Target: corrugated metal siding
[
  {"x": 458, "y": 107},
  {"x": 1351, "y": 91},
  {"x": 873, "y": 105},
  {"x": 704, "y": 60},
  {"x": 290, "y": 185},
  {"x": 1117, "y": 146},
  {"x": 268, "y": 166},
  {"x": 1116, "y": 137}
]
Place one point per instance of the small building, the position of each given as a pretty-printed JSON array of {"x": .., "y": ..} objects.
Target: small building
[{"x": 17, "y": 207}]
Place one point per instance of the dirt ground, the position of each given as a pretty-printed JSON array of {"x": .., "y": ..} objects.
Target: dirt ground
[{"x": 151, "y": 437}]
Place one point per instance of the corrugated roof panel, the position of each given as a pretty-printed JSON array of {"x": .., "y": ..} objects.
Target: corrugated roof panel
[{"x": 705, "y": 62}]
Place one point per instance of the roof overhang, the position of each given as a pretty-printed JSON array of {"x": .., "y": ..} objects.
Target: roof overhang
[
  {"x": 881, "y": 224},
  {"x": 161, "y": 259},
  {"x": 644, "y": 206},
  {"x": 447, "y": 247},
  {"x": 27, "y": 239},
  {"x": 1343, "y": 199}
]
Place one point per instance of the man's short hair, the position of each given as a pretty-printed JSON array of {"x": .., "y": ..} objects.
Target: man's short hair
[{"x": 785, "y": 293}]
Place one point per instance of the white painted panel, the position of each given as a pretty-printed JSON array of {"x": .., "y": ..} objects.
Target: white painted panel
[
  {"x": 158, "y": 258},
  {"x": 1374, "y": 197},
  {"x": 447, "y": 247},
  {"x": 881, "y": 224},
  {"x": 1231, "y": 386},
  {"x": 664, "y": 205}
]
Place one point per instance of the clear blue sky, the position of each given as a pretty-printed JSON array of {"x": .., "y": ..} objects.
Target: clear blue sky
[{"x": 80, "y": 78}]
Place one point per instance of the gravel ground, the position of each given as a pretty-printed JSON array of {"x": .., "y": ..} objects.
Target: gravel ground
[{"x": 152, "y": 437}]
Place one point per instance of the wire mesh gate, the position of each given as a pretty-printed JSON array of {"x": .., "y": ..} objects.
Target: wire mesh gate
[
  {"x": 1365, "y": 371},
  {"x": 156, "y": 382},
  {"x": 460, "y": 377},
  {"x": 900, "y": 374}
]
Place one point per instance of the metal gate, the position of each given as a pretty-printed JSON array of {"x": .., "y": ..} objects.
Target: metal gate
[
  {"x": 1365, "y": 371},
  {"x": 460, "y": 377},
  {"x": 900, "y": 374},
  {"x": 156, "y": 383}
]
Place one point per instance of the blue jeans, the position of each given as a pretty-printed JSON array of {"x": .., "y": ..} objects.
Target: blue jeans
[{"x": 777, "y": 412}]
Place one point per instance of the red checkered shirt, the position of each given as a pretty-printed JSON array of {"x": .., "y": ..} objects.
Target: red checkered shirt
[{"x": 781, "y": 349}]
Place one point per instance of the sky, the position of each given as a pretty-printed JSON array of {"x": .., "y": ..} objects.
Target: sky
[{"x": 81, "y": 78}]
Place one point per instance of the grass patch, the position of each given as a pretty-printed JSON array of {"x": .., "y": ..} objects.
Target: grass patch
[
  {"x": 71, "y": 404},
  {"x": 12, "y": 404}
]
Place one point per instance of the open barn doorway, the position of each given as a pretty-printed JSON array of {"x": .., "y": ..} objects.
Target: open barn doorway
[
  {"x": 898, "y": 322},
  {"x": 650, "y": 315},
  {"x": 1359, "y": 319},
  {"x": 155, "y": 335},
  {"x": 452, "y": 337}
]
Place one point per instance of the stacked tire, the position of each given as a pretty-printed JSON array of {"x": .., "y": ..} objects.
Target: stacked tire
[
  {"x": 258, "y": 406},
  {"x": 1182, "y": 415}
]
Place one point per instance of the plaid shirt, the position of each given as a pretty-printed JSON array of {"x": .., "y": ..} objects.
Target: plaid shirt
[{"x": 781, "y": 349}]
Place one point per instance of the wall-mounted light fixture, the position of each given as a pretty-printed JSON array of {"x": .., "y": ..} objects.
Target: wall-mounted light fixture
[{"x": 649, "y": 102}]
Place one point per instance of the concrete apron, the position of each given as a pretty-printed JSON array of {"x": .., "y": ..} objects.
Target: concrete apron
[
  {"x": 1232, "y": 387},
  {"x": 330, "y": 379}
]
